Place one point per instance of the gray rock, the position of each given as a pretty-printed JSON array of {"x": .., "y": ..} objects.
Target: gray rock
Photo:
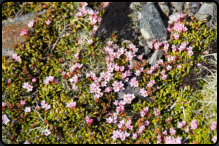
[
  {"x": 155, "y": 57},
  {"x": 172, "y": 18},
  {"x": 147, "y": 50},
  {"x": 11, "y": 30},
  {"x": 178, "y": 6},
  {"x": 207, "y": 10},
  {"x": 151, "y": 24},
  {"x": 164, "y": 7},
  {"x": 194, "y": 7}
]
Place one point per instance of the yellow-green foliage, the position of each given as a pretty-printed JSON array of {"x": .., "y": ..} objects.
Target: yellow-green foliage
[{"x": 50, "y": 52}]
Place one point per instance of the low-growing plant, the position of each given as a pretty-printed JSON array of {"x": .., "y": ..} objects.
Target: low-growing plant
[{"x": 62, "y": 85}]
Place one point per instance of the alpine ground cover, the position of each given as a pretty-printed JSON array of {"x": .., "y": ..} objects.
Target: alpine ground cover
[{"x": 62, "y": 84}]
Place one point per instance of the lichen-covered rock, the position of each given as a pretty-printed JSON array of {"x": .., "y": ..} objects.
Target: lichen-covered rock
[
  {"x": 208, "y": 11},
  {"x": 178, "y": 6},
  {"x": 11, "y": 30},
  {"x": 151, "y": 24},
  {"x": 155, "y": 57},
  {"x": 165, "y": 8}
]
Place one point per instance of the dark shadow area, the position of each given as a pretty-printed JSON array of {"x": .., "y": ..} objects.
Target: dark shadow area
[{"x": 116, "y": 20}]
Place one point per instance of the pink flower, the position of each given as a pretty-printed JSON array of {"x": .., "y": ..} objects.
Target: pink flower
[
  {"x": 140, "y": 57},
  {"x": 128, "y": 98},
  {"x": 165, "y": 132},
  {"x": 180, "y": 16},
  {"x": 146, "y": 123},
  {"x": 120, "y": 107},
  {"x": 190, "y": 53},
  {"x": 109, "y": 120},
  {"x": 23, "y": 102},
  {"x": 48, "y": 22},
  {"x": 16, "y": 57},
  {"x": 189, "y": 48},
  {"x": 141, "y": 129},
  {"x": 143, "y": 92},
  {"x": 134, "y": 82},
  {"x": 129, "y": 55},
  {"x": 214, "y": 139},
  {"x": 172, "y": 131},
  {"x": 5, "y": 119},
  {"x": 134, "y": 135},
  {"x": 179, "y": 66},
  {"x": 169, "y": 67},
  {"x": 151, "y": 83},
  {"x": 27, "y": 142},
  {"x": 89, "y": 120},
  {"x": 194, "y": 124},
  {"x": 174, "y": 48},
  {"x": 159, "y": 138},
  {"x": 47, "y": 132},
  {"x": 121, "y": 68},
  {"x": 31, "y": 23},
  {"x": 157, "y": 112},
  {"x": 27, "y": 109},
  {"x": 3, "y": 105},
  {"x": 71, "y": 104},
  {"x": 213, "y": 125},
  {"x": 47, "y": 107},
  {"x": 105, "y": 4},
  {"x": 108, "y": 89},
  {"x": 164, "y": 77},
  {"x": 179, "y": 27},
  {"x": 90, "y": 41},
  {"x": 118, "y": 86},
  {"x": 34, "y": 80},
  {"x": 27, "y": 86},
  {"x": 23, "y": 32}
]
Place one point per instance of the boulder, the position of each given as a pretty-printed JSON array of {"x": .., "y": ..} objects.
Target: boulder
[
  {"x": 178, "y": 6},
  {"x": 165, "y": 8},
  {"x": 155, "y": 57},
  {"x": 208, "y": 11},
  {"x": 151, "y": 23},
  {"x": 11, "y": 30}
]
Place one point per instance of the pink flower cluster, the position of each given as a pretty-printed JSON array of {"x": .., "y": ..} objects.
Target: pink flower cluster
[
  {"x": 213, "y": 125},
  {"x": 3, "y": 105},
  {"x": 128, "y": 98},
  {"x": 27, "y": 86},
  {"x": 89, "y": 120},
  {"x": 71, "y": 104},
  {"x": 120, "y": 105},
  {"x": 172, "y": 140},
  {"x": 118, "y": 86},
  {"x": 48, "y": 80},
  {"x": 27, "y": 109},
  {"x": 144, "y": 111},
  {"x": 47, "y": 132},
  {"x": 120, "y": 134},
  {"x": 181, "y": 124},
  {"x": 151, "y": 83},
  {"x": 5, "y": 119},
  {"x": 194, "y": 124},
  {"x": 77, "y": 54},
  {"x": 16, "y": 57},
  {"x": 75, "y": 66},
  {"x": 143, "y": 92},
  {"x": 31, "y": 23},
  {"x": 45, "y": 105},
  {"x": 23, "y": 32},
  {"x": 134, "y": 82}
]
